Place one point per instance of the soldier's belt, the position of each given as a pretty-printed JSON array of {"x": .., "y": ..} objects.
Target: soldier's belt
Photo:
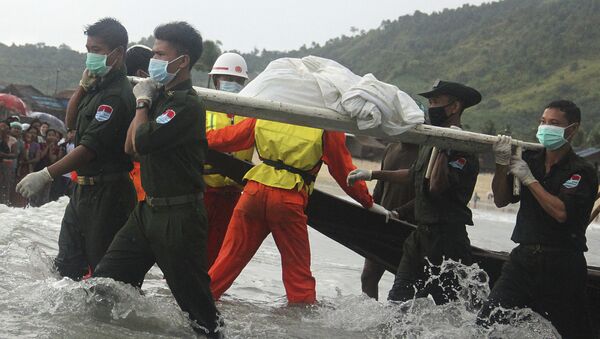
[
  {"x": 173, "y": 201},
  {"x": 101, "y": 179}
]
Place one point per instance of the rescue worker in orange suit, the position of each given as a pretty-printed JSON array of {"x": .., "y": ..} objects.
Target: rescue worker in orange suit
[
  {"x": 275, "y": 197},
  {"x": 137, "y": 60},
  {"x": 229, "y": 73}
]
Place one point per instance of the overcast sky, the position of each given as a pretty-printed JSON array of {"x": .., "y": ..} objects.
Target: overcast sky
[{"x": 241, "y": 25}]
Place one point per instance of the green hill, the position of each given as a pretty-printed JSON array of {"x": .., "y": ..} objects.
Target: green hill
[{"x": 520, "y": 54}]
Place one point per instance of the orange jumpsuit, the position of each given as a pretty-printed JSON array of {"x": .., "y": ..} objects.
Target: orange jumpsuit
[
  {"x": 263, "y": 209},
  {"x": 222, "y": 193},
  {"x": 136, "y": 178}
]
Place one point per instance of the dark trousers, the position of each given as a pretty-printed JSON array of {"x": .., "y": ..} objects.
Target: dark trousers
[
  {"x": 551, "y": 283},
  {"x": 174, "y": 237},
  {"x": 92, "y": 218},
  {"x": 430, "y": 244}
]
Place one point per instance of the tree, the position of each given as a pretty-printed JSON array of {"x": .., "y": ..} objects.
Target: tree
[
  {"x": 489, "y": 127},
  {"x": 211, "y": 51},
  {"x": 593, "y": 137}
]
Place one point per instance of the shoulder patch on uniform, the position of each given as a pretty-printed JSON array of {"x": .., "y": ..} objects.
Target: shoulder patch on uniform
[
  {"x": 103, "y": 112},
  {"x": 165, "y": 117},
  {"x": 573, "y": 181},
  {"x": 458, "y": 163}
]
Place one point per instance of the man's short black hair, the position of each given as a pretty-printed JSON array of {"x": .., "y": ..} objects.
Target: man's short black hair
[
  {"x": 183, "y": 37},
  {"x": 110, "y": 31},
  {"x": 138, "y": 58},
  {"x": 572, "y": 112}
]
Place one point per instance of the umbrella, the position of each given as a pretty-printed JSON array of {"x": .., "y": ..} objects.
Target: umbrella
[
  {"x": 53, "y": 122},
  {"x": 12, "y": 103}
]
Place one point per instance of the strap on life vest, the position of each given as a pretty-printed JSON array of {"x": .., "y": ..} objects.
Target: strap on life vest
[{"x": 308, "y": 177}]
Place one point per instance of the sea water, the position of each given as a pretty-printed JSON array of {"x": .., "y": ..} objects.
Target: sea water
[{"x": 35, "y": 302}]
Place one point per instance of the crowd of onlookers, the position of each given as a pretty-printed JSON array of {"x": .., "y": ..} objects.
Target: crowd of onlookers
[{"x": 26, "y": 148}]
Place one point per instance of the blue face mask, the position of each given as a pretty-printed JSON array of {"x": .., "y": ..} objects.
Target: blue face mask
[
  {"x": 552, "y": 137},
  {"x": 96, "y": 64},
  {"x": 230, "y": 86},
  {"x": 158, "y": 71}
]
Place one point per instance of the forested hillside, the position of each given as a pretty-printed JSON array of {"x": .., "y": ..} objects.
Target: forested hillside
[{"x": 520, "y": 54}]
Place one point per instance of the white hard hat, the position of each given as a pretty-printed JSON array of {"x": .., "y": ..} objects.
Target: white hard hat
[{"x": 230, "y": 64}]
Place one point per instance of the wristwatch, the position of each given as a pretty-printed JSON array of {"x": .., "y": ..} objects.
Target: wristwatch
[{"x": 142, "y": 104}]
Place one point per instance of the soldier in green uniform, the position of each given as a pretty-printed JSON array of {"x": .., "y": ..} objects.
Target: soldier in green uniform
[
  {"x": 169, "y": 228},
  {"x": 104, "y": 196},
  {"x": 547, "y": 271},
  {"x": 441, "y": 211}
]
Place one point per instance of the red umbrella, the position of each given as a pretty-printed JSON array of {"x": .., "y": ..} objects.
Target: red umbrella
[{"x": 12, "y": 103}]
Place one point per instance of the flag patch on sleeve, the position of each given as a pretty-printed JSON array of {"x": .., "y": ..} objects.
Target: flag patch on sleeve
[
  {"x": 573, "y": 181},
  {"x": 103, "y": 112},
  {"x": 167, "y": 116},
  {"x": 458, "y": 163}
]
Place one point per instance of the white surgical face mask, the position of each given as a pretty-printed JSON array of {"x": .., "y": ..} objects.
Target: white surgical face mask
[
  {"x": 158, "y": 70},
  {"x": 552, "y": 137},
  {"x": 230, "y": 86}
]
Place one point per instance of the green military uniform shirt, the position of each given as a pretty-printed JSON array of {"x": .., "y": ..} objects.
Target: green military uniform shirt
[
  {"x": 451, "y": 206},
  {"x": 172, "y": 144},
  {"x": 105, "y": 113}
]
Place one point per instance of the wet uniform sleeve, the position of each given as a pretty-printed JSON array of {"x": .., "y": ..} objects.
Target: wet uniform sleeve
[
  {"x": 579, "y": 194},
  {"x": 339, "y": 164},
  {"x": 171, "y": 128},
  {"x": 109, "y": 120},
  {"x": 232, "y": 138}
]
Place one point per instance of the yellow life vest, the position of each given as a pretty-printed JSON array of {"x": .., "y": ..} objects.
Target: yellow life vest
[
  {"x": 291, "y": 155},
  {"x": 214, "y": 121}
]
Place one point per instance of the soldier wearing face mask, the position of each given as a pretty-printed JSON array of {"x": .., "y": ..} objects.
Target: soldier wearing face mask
[
  {"x": 100, "y": 111},
  {"x": 169, "y": 227},
  {"x": 229, "y": 73},
  {"x": 547, "y": 271},
  {"x": 440, "y": 205}
]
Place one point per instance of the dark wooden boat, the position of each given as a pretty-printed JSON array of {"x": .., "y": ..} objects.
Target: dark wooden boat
[{"x": 367, "y": 233}]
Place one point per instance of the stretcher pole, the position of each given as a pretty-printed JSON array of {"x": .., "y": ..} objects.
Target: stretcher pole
[
  {"x": 434, "y": 154},
  {"x": 516, "y": 182},
  {"x": 317, "y": 117}
]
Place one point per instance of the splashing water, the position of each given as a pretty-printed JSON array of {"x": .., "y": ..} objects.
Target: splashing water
[
  {"x": 422, "y": 318},
  {"x": 35, "y": 302}
]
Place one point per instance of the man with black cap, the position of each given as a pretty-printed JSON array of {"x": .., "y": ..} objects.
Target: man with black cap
[{"x": 441, "y": 199}]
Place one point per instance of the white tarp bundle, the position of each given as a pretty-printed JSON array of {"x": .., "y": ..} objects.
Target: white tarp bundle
[{"x": 315, "y": 81}]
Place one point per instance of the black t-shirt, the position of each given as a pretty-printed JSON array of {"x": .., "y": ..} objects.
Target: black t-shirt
[
  {"x": 392, "y": 195},
  {"x": 575, "y": 182}
]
